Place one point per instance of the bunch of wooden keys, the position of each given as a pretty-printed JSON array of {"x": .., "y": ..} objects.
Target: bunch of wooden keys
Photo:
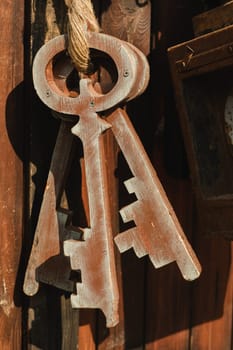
[{"x": 156, "y": 233}]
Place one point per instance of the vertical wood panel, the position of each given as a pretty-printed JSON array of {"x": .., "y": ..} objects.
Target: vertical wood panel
[
  {"x": 11, "y": 170},
  {"x": 168, "y": 295},
  {"x": 212, "y": 303},
  {"x": 52, "y": 323}
]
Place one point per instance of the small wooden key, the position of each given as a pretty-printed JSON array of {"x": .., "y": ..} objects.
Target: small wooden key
[
  {"x": 157, "y": 231},
  {"x": 48, "y": 231}
]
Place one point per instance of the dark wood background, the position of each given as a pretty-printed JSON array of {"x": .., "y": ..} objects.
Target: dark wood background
[{"x": 158, "y": 309}]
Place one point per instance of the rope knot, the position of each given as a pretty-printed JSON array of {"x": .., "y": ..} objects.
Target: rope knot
[{"x": 81, "y": 18}]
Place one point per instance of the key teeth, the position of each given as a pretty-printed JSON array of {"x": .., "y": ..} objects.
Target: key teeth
[
  {"x": 86, "y": 233},
  {"x": 81, "y": 300},
  {"x": 160, "y": 262},
  {"x": 122, "y": 241},
  {"x": 127, "y": 212},
  {"x": 87, "y": 296},
  {"x": 69, "y": 244},
  {"x": 131, "y": 184},
  {"x": 68, "y": 247},
  {"x": 127, "y": 240}
]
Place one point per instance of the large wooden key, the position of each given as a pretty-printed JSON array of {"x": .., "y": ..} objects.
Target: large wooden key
[{"x": 94, "y": 256}]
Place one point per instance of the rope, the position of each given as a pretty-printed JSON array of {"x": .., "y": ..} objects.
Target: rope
[{"x": 81, "y": 18}]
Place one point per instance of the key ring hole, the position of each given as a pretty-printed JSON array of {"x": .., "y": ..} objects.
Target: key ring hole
[
  {"x": 62, "y": 74},
  {"x": 106, "y": 68}
]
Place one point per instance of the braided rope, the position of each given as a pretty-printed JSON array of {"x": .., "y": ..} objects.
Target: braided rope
[{"x": 81, "y": 18}]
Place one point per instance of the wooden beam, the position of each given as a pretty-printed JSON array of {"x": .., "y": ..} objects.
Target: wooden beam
[
  {"x": 11, "y": 170},
  {"x": 209, "y": 21}
]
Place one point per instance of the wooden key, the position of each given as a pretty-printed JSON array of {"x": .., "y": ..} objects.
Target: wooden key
[
  {"x": 47, "y": 236},
  {"x": 157, "y": 231},
  {"x": 94, "y": 256}
]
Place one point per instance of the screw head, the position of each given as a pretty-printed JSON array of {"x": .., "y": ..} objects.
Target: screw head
[
  {"x": 92, "y": 103},
  {"x": 126, "y": 73},
  {"x": 48, "y": 93}
]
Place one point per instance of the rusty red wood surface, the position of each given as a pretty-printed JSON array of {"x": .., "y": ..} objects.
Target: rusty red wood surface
[{"x": 11, "y": 171}]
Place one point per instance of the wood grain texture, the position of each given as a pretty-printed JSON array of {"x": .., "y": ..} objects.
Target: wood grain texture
[
  {"x": 168, "y": 296},
  {"x": 130, "y": 22},
  {"x": 11, "y": 170},
  {"x": 212, "y": 314},
  {"x": 218, "y": 17}
]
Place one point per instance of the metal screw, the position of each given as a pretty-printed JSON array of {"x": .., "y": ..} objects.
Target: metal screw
[
  {"x": 126, "y": 73},
  {"x": 92, "y": 104},
  {"x": 47, "y": 93}
]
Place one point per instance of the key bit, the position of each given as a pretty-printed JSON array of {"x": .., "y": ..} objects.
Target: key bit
[
  {"x": 157, "y": 232},
  {"x": 57, "y": 270}
]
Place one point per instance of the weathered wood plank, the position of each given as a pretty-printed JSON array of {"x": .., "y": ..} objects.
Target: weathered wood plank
[
  {"x": 213, "y": 296},
  {"x": 214, "y": 19},
  {"x": 168, "y": 295},
  {"x": 50, "y": 314},
  {"x": 11, "y": 170}
]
